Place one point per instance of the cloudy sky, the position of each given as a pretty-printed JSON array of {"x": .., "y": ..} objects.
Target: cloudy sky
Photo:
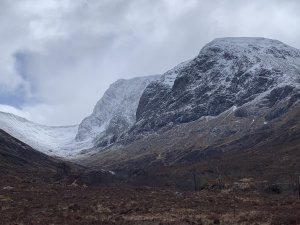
[{"x": 57, "y": 57}]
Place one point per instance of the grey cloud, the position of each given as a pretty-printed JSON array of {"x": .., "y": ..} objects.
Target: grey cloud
[{"x": 75, "y": 49}]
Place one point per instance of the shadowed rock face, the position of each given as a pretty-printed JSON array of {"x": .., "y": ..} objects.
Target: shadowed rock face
[{"x": 228, "y": 72}]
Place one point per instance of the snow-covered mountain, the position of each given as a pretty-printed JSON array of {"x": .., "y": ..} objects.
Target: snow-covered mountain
[
  {"x": 236, "y": 94},
  {"x": 112, "y": 115},
  {"x": 115, "y": 112},
  {"x": 241, "y": 79},
  {"x": 228, "y": 72},
  {"x": 55, "y": 141}
]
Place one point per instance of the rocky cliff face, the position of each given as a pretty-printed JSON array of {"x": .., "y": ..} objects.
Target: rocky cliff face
[
  {"x": 238, "y": 96},
  {"x": 245, "y": 74},
  {"x": 115, "y": 112}
]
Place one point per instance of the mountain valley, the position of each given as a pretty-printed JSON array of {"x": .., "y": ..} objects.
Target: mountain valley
[{"x": 215, "y": 140}]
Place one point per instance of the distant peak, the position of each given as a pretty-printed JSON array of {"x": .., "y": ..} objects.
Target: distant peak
[
  {"x": 123, "y": 81},
  {"x": 250, "y": 47},
  {"x": 245, "y": 42}
]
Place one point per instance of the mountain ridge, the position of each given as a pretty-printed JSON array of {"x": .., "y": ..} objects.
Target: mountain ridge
[
  {"x": 65, "y": 141},
  {"x": 115, "y": 112},
  {"x": 227, "y": 72},
  {"x": 245, "y": 79},
  {"x": 52, "y": 140}
]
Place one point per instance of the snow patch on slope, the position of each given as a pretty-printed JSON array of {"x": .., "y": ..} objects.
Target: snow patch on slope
[
  {"x": 56, "y": 141},
  {"x": 117, "y": 106}
]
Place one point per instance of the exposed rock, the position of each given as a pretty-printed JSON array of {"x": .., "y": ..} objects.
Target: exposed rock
[{"x": 228, "y": 72}]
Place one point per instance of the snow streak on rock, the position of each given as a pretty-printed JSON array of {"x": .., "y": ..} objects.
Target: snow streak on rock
[{"x": 227, "y": 72}]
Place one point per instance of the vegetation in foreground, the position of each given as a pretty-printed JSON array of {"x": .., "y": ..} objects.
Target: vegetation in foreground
[{"x": 26, "y": 202}]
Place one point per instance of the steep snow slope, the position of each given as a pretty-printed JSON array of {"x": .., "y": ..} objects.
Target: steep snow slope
[
  {"x": 112, "y": 115},
  {"x": 228, "y": 72},
  {"x": 115, "y": 112},
  {"x": 56, "y": 141},
  {"x": 16, "y": 156}
]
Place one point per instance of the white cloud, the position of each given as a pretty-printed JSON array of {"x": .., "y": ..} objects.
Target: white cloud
[{"x": 72, "y": 50}]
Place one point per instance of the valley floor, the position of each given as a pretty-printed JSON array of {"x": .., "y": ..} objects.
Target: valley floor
[{"x": 26, "y": 203}]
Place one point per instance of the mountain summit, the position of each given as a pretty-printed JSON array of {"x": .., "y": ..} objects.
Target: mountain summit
[
  {"x": 228, "y": 72},
  {"x": 115, "y": 112},
  {"x": 236, "y": 103}
]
